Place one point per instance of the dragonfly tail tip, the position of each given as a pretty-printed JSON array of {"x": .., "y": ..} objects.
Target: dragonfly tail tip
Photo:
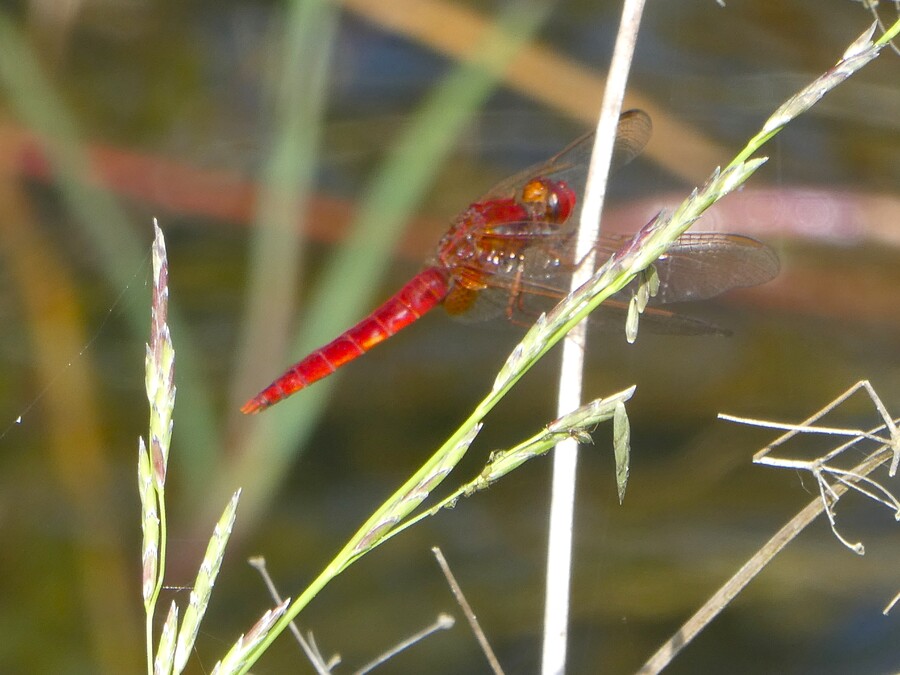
[{"x": 253, "y": 406}]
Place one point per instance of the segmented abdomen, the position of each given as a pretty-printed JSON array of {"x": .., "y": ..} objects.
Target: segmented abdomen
[{"x": 422, "y": 293}]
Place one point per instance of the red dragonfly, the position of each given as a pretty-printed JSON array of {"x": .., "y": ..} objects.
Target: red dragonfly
[{"x": 511, "y": 253}]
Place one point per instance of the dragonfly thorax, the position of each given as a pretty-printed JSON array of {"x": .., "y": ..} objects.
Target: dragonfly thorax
[{"x": 494, "y": 233}]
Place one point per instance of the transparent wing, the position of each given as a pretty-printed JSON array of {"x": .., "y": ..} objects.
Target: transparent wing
[
  {"x": 571, "y": 163},
  {"x": 696, "y": 267}
]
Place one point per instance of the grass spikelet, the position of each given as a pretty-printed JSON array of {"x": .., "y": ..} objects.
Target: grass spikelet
[
  {"x": 236, "y": 658},
  {"x": 159, "y": 380},
  {"x": 175, "y": 645},
  {"x": 165, "y": 655},
  {"x": 206, "y": 579}
]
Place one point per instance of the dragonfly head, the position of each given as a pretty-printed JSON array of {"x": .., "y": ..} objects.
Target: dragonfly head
[{"x": 548, "y": 200}]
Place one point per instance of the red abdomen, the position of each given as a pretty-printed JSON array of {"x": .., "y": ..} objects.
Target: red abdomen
[{"x": 423, "y": 292}]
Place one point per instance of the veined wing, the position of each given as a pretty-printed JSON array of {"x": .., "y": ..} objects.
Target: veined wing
[
  {"x": 697, "y": 266},
  {"x": 571, "y": 163}
]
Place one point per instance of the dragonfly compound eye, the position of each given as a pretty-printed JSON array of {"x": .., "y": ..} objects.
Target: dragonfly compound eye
[{"x": 560, "y": 203}]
